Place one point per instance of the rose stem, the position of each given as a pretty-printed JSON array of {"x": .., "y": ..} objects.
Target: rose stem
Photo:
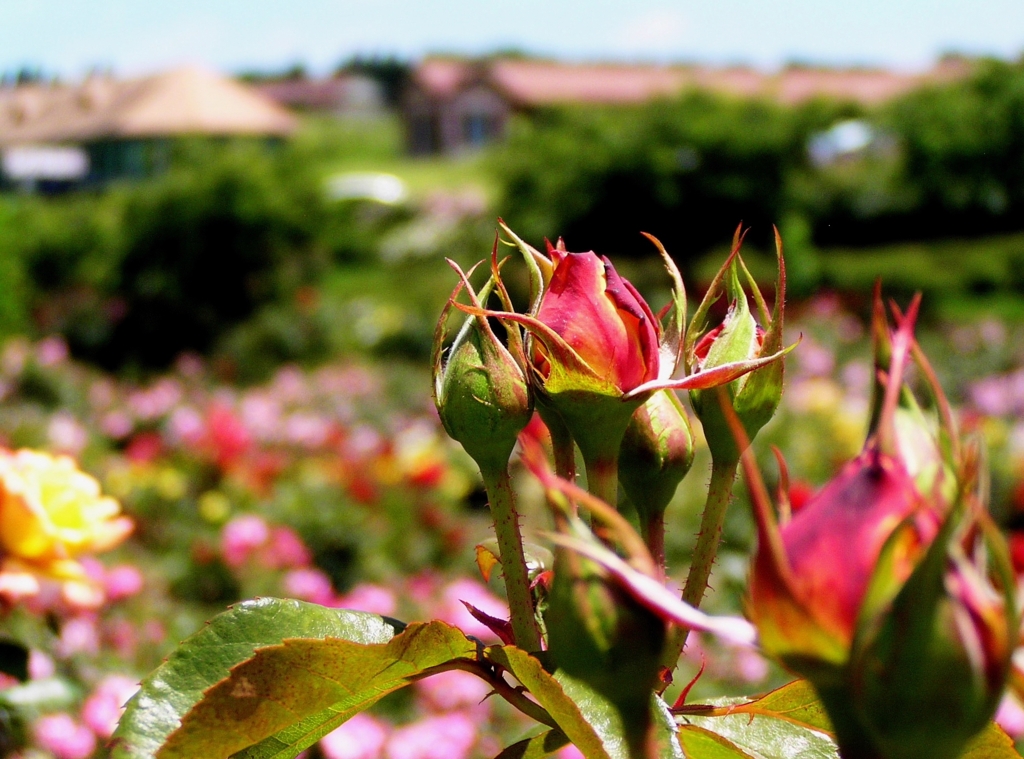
[
  {"x": 706, "y": 549},
  {"x": 513, "y": 560}
]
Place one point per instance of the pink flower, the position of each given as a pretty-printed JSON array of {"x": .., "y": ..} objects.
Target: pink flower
[
  {"x": 103, "y": 708},
  {"x": 453, "y": 690},
  {"x": 307, "y": 430},
  {"x": 79, "y": 635},
  {"x": 372, "y": 598},
  {"x": 66, "y": 434},
  {"x": 228, "y": 436},
  {"x": 262, "y": 415},
  {"x": 750, "y": 666},
  {"x": 122, "y": 636},
  {"x": 64, "y": 737},
  {"x": 286, "y": 549},
  {"x": 421, "y": 587},
  {"x": 570, "y": 752},
  {"x": 144, "y": 447},
  {"x": 116, "y": 424},
  {"x": 157, "y": 400},
  {"x": 51, "y": 351},
  {"x": 448, "y": 736},
  {"x": 453, "y": 611},
  {"x": 154, "y": 631},
  {"x": 1010, "y": 716},
  {"x": 309, "y": 585},
  {"x": 40, "y": 666},
  {"x": 186, "y": 426},
  {"x": 123, "y": 581},
  {"x": 362, "y": 737},
  {"x": 241, "y": 537}
]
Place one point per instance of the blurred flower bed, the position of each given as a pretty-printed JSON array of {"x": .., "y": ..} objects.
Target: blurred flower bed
[{"x": 338, "y": 486}]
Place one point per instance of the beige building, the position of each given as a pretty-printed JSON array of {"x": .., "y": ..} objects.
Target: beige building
[{"x": 124, "y": 126}]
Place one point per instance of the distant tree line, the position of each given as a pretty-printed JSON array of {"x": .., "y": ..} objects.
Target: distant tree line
[
  {"x": 389, "y": 71},
  {"x": 946, "y": 160}
]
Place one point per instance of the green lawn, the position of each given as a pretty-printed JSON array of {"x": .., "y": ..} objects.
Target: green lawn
[{"x": 378, "y": 145}]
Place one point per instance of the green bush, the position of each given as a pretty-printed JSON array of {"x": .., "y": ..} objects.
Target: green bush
[
  {"x": 136, "y": 273},
  {"x": 687, "y": 171},
  {"x": 204, "y": 248}
]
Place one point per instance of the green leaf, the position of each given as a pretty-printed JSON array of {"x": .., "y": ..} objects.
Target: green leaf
[
  {"x": 537, "y": 747},
  {"x": 796, "y": 702},
  {"x": 301, "y": 677},
  {"x": 702, "y": 743},
  {"x": 237, "y": 644},
  {"x": 789, "y": 721},
  {"x": 766, "y": 737},
  {"x": 549, "y": 693},
  {"x": 591, "y": 722},
  {"x": 990, "y": 743},
  {"x": 290, "y": 741}
]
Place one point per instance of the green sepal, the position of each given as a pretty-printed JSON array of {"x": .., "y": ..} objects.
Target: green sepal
[
  {"x": 597, "y": 421},
  {"x": 673, "y": 321},
  {"x": 918, "y": 687},
  {"x": 481, "y": 392},
  {"x": 538, "y": 265},
  {"x": 656, "y": 452},
  {"x": 756, "y": 395},
  {"x": 602, "y": 637}
]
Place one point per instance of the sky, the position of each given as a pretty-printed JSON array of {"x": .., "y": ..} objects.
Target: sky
[{"x": 70, "y": 37}]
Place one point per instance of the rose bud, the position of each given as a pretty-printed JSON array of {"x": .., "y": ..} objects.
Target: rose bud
[
  {"x": 599, "y": 341},
  {"x": 599, "y": 634},
  {"x": 867, "y": 591},
  {"x": 481, "y": 392},
  {"x": 597, "y": 352},
  {"x": 929, "y": 669},
  {"x": 655, "y": 455},
  {"x": 754, "y": 396}
]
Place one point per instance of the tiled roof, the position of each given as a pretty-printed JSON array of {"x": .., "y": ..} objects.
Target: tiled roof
[
  {"x": 539, "y": 83},
  {"x": 180, "y": 102},
  {"x": 535, "y": 83}
]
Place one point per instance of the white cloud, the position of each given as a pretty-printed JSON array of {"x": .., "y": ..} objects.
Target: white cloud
[{"x": 660, "y": 31}]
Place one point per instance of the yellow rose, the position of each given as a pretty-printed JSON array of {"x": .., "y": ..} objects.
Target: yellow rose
[{"x": 50, "y": 513}]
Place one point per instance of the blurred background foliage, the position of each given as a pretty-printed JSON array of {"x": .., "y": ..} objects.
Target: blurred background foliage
[{"x": 239, "y": 252}]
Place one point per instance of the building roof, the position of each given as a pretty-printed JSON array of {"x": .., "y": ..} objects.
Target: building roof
[
  {"x": 535, "y": 83},
  {"x": 187, "y": 101},
  {"x": 532, "y": 83},
  {"x": 442, "y": 78},
  {"x": 868, "y": 86}
]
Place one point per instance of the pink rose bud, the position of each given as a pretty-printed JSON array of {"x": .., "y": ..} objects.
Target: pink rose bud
[
  {"x": 872, "y": 591},
  {"x": 754, "y": 396},
  {"x": 596, "y": 349},
  {"x": 602, "y": 317}
]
